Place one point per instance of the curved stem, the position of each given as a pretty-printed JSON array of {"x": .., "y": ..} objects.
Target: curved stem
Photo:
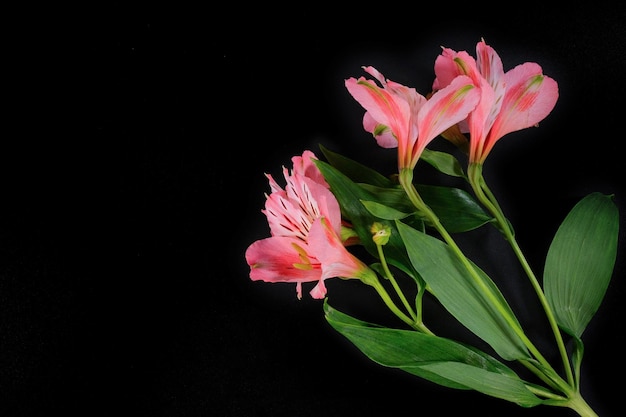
[
  {"x": 394, "y": 283},
  {"x": 487, "y": 198},
  {"x": 390, "y": 304},
  {"x": 406, "y": 180}
]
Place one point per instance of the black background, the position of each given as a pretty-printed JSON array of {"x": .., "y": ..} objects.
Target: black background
[{"x": 134, "y": 183}]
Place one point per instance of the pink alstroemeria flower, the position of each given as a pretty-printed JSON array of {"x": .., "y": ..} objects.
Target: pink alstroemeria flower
[
  {"x": 511, "y": 101},
  {"x": 305, "y": 227},
  {"x": 400, "y": 117}
]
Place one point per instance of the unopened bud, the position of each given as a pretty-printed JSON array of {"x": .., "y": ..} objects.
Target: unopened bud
[{"x": 381, "y": 233}]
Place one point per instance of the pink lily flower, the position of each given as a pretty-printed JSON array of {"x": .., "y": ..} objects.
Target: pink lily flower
[
  {"x": 305, "y": 227},
  {"x": 400, "y": 117},
  {"x": 511, "y": 101}
]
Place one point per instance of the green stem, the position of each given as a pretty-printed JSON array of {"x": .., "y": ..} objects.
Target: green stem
[
  {"x": 578, "y": 404},
  {"x": 384, "y": 295},
  {"x": 573, "y": 401},
  {"x": 406, "y": 180},
  {"x": 556, "y": 383},
  {"x": 394, "y": 283},
  {"x": 541, "y": 392},
  {"x": 487, "y": 198}
]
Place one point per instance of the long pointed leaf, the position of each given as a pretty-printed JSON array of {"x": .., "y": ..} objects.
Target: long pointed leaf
[
  {"x": 461, "y": 295},
  {"x": 490, "y": 383},
  {"x": 439, "y": 360}
]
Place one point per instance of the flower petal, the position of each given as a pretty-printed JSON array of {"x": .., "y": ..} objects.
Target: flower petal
[
  {"x": 276, "y": 259},
  {"x": 530, "y": 97},
  {"x": 383, "y": 135},
  {"x": 335, "y": 259},
  {"x": 384, "y": 107},
  {"x": 445, "y": 108},
  {"x": 304, "y": 165}
]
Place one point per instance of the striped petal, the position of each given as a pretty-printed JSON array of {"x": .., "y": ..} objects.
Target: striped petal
[
  {"x": 445, "y": 108},
  {"x": 282, "y": 259},
  {"x": 335, "y": 259},
  {"x": 530, "y": 97}
]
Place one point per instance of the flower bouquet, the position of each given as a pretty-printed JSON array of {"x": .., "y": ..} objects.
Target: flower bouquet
[{"x": 337, "y": 218}]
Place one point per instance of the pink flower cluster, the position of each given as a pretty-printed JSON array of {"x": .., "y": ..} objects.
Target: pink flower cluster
[{"x": 474, "y": 95}]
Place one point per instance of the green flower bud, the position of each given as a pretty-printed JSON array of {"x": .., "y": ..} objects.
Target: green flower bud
[{"x": 381, "y": 233}]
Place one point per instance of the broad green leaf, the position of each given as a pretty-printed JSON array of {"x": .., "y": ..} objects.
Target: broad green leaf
[
  {"x": 354, "y": 170},
  {"x": 580, "y": 261},
  {"x": 443, "y": 162},
  {"x": 434, "y": 358},
  {"x": 457, "y": 210},
  {"x": 477, "y": 303}
]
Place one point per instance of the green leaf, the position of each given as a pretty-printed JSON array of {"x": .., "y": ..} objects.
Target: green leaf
[
  {"x": 489, "y": 383},
  {"x": 354, "y": 170},
  {"x": 580, "y": 261},
  {"x": 384, "y": 212},
  {"x": 443, "y": 162},
  {"x": 437, "y": 359},
  {"x": 479, "y": 306},
  {"x": 457, "y": 210},
  {"x": 391, "y": 197}
]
